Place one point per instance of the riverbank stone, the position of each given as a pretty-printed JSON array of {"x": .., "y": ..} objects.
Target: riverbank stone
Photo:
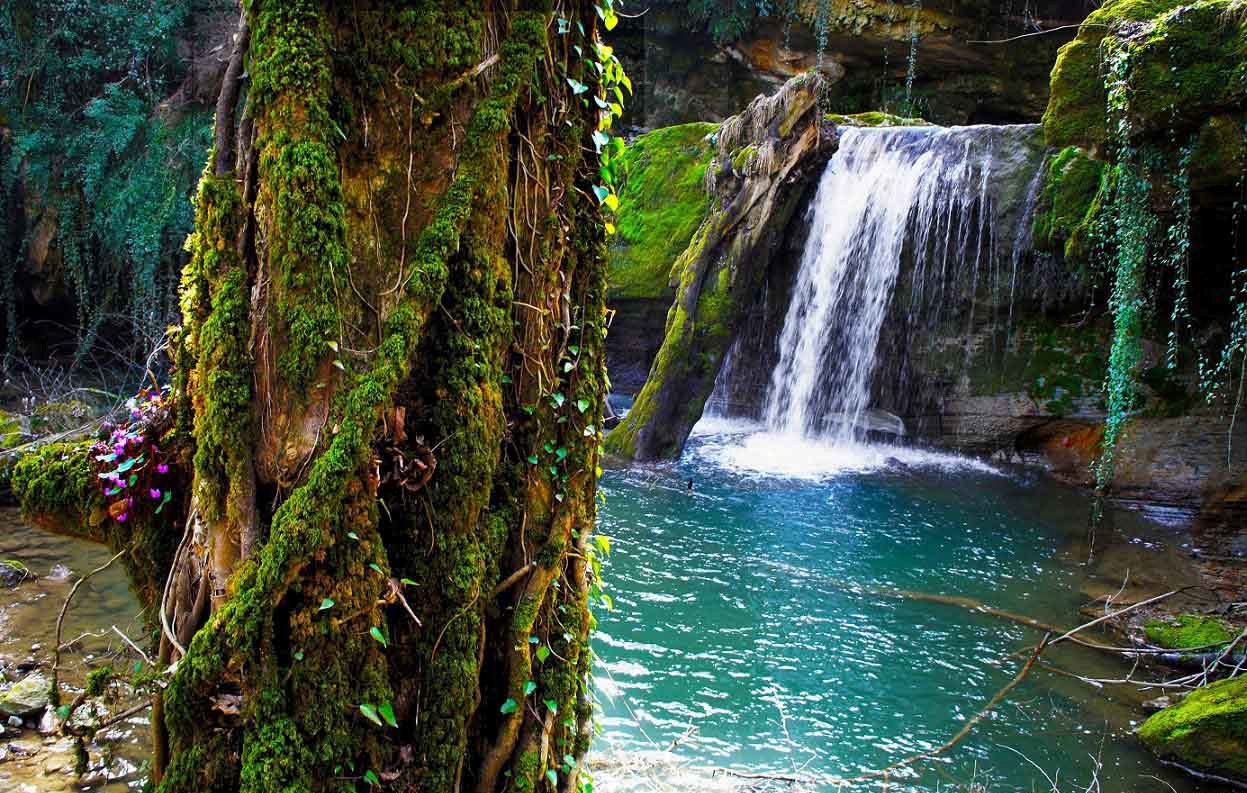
[
  {"x": 1206, "y": 731},
  {"x": 28, "y": 697}
]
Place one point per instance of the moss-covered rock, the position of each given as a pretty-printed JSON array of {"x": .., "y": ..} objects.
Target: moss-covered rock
[
  {"x": 765, "y": 159},
  {"x": 10, "y": 430},
  {"x": 1064, "y": 213},
  {"x": 874, "y": 118},
  {"x": 1187, "y": 62},
  {"x": 1187, "y": 632},
  {"x": 662, "y": 202},
  {"x": 1206, "y": 731}
]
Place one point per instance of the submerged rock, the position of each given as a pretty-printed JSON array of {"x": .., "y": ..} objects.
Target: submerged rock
[
  {"x": 1206, "y": 731},
  {"x": 28, "y": 697},
  {"x": 12, "y": 574}
]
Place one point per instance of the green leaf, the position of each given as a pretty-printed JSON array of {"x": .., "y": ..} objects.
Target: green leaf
[
  {"x": 387, "y": 712},
  {"x": 582, "y": 405},
  {"x": 612, "y": 202},
  {"x": 510, "y": 706},
  {"x": 543, "y": 653},
  {"x": 298, "y": 655},
  {"x": 603, "y": 543},
  {"x": 560, "y": 453},
  {"x": 376, "y": 633},
  {"x": 326, "y": 604},
  {"x": 371, "y": 778},
  {"x": 352, "y": 535},
  {"x": 558, "y": 399},
  {"x": 600, "y": 139},
  {"x": 529, "y": 688},
  {"x": 376, "y": 567},
  {"x": 552, "y": 705},
  {"x": 407, "y": 582},
  {"x": 534, "y": 640},
  {"x": 578, "y": 87},
  {"x": 532, "y": 458},
  {"x": 370, "y": 713},
  {"x": 601, "y": 193},
  {"x": 553, "y": 776}
]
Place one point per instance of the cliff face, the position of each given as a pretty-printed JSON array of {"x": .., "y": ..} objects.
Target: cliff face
[
  {"x": 698, "y": 67},
  {"x": 105, "y": 118}
]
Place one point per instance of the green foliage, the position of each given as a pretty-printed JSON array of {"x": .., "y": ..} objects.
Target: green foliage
[{"x": 95, "y": 153}]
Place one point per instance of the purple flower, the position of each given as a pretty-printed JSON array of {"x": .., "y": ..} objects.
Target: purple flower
[
  {"x": 162, "y": 468},
  {"x": 122, "y": 517},
  {"x": 154, "y": 492}
]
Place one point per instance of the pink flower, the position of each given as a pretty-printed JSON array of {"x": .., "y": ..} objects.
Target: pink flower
[
  {"x": 154, "y": 492},
  {"x": 162, "y": 468},
  {"x": 122, "y": 517}
]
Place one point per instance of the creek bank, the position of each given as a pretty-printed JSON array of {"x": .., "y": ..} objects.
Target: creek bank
[{"x": 34, "y": 756}]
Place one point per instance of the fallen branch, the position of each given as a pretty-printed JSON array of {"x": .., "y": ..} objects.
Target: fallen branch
[{"x": 969, "y": 725}]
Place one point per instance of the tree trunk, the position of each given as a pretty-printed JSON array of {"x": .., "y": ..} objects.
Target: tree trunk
[{"x": 385, "y": 412}]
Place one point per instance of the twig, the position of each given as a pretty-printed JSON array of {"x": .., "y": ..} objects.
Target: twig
[
  {"x": 1127, "y": 609},
  {"x": 133, "y": 646},
  {"x": 60, "y": 619},
  {"x": 1039, "y": 33}
]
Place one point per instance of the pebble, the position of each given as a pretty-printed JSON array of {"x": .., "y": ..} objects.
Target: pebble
[{"x": 14, "y": 721}]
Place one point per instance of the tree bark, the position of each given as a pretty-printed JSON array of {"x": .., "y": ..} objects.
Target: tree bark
[{"x": 386, "y": 403}]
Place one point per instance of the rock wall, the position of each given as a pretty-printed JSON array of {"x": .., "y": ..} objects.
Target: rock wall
[{"x": 694, "y": 68}]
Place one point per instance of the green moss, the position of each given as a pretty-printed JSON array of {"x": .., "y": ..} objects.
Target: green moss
[
  {"x": 662, "y": 202},
  {"x": 1220, "y": 153},
  {"x": 1187, "y": 632},
  {"x": 1207, "y": 730},
  {"x": 1073, "y": 180},
  {"x": 874, "y": 118},
  {"x": 10, "y": 430},
  {"x": 1187, "y": 63}
]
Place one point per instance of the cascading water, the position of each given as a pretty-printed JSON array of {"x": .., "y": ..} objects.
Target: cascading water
[{"x": 922, "y": 197}]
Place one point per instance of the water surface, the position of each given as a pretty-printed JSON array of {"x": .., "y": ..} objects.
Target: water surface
[{"x": 743, "y": 632}]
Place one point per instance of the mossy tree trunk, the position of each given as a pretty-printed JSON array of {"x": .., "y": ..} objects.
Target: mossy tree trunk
[{"x": 388, "y": 383}]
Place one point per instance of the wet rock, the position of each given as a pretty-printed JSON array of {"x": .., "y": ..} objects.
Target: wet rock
[
  {"x": 28, "y": 697},
  {"x": 49, "y": 722},
  {"x": 1205, "y": 731},
  {"x": 59, "y": 573},
  {"x": 12, "y": 574},
  {"x": 15, "y": 722}
]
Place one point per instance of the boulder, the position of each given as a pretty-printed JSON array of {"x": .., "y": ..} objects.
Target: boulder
[
  {"x": 1206, "y": 731},
  {"x": 28, "y": 697}
]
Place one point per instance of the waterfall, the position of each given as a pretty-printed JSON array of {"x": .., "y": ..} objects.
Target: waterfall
[{"x": 926, "y": 200}]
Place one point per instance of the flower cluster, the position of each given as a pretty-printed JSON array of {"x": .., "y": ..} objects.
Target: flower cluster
[{"x": 134, "y": 476}]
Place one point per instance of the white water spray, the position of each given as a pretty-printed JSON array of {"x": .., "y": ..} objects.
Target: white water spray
[{"x": 921, "y": 194}]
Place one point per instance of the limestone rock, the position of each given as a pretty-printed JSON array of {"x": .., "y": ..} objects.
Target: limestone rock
[{"x": 27, "y": 697}]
